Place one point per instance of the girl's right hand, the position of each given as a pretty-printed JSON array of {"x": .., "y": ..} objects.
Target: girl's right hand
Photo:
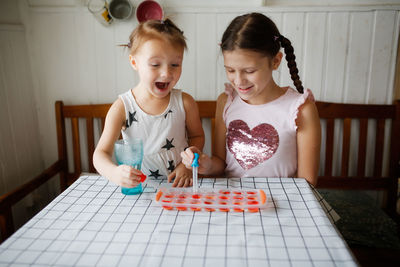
[
  {"x": 204, "y": 160},
  {"x": 126, "y": 176}
]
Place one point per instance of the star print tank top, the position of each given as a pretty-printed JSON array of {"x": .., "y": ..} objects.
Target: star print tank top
[
  {"x": 261, "y": 139},
  {"x": 163, "y": 135}
]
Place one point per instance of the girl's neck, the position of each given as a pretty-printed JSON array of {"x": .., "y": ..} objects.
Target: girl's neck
[
  {"x": 148, "y": 103},
  {"x": 270, "y": 93}
]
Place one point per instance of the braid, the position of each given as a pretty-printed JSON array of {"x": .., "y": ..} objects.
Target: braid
[{"x": 291, "y": 62}]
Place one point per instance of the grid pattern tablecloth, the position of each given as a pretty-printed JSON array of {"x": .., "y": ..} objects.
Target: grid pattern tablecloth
[{"x": 93, "y": 224}]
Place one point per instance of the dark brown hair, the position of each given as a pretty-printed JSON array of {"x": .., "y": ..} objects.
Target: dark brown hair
[
  {"x": 160, "y": 29},
  {"x": 257, "y": 32}
]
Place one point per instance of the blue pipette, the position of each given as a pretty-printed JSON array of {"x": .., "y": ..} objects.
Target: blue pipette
[{"x": 195, "y": 165}]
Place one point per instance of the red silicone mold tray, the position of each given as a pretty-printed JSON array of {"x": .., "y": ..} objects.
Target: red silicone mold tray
[{"x": 209, "y": 199}]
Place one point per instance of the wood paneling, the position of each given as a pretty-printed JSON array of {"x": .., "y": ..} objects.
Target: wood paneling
[{"x": 20, "y": 154}]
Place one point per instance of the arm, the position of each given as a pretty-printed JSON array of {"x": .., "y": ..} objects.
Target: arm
[
  {"x": 308, "y": 142},
  {"x": 122, "y": 175},
  {"x": 219, "y": 147},
  {"x": 195, "y": 135},
  {"x": 216, "y": 164},
  {"x": 194, "y": 127}
]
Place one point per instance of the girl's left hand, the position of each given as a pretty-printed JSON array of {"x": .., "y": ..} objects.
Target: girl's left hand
[{"x": 181, "y": 175}]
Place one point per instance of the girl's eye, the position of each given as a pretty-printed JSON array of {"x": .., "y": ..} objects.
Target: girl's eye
[
  {"x": 154, "y": 64},
  {"x": 250, "y": 71},
  {"x": 230, "y": 71},
  {"x": 175, "y": 65}
]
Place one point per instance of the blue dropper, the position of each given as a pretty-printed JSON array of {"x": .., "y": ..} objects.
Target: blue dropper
[{"x": 195, "y": 165}]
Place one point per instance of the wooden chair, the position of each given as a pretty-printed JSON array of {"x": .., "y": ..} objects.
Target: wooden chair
[
  {"x": 382, "y": 118},
  {"x": 369, "y": 233},
  {"x": 92, "y": 116}
]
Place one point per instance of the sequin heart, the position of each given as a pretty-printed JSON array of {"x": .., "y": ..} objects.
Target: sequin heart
[{"x": 251, "y": 147}]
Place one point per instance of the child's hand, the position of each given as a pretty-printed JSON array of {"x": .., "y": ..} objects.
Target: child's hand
[
  {"x": 188, "y": 156},
  {"x": 183, "y": 176},
  {"x": 126, "y": 176}
]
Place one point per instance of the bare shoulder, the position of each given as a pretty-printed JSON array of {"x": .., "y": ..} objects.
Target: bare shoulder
[
  {"x": 117, "y": 107},
  {"x": 222, "y": 98},
  {"x": 308, "y": 109},
  {"x": 116, "y": 113},
  {"x": 307, "y": 114},
  {"x": 187, "y": 99},
  {"x": 118, "y": 104},
  {"x": 221, "y": 101}
]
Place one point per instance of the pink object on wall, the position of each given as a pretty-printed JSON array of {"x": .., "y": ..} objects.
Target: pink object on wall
[{"x": 148, "y": 10}]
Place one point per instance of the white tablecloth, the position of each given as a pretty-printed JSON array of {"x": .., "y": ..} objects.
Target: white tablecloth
[{"x": 93, "y": 224}]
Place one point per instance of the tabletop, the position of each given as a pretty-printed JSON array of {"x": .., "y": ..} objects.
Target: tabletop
[{"x": 92, "y": 223}]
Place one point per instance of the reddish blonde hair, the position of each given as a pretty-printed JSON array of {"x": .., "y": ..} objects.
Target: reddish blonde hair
[{"x": 156, "y": 29}]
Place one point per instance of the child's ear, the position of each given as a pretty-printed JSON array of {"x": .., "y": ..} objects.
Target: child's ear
[
  {"x": 133, "y": 62},
  {"x": 276, "y": 61}
]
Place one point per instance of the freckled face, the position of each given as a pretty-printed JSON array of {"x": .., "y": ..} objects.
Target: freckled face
[
  {"x": 159, "y": 65},
  {"x": 250, "y": 73}
]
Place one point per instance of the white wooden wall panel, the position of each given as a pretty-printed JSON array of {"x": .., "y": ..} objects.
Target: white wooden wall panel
[
  {"x": 20, "y": 150},
  {"x": 105, "y": 60},
  {"x": 315, "y": 49},
  {"x": 206, "y": 50},
  {"x": 223, "y": 21},
  {"x": 381, "y": 51},
  {"x": 359, "y": 58},
  {"x": 293, "y": 29},
  {"x": 126, "y": 77},
  {"x": 323, "y": 57},
  {"x": 55, "y": 79},
  {"x": 8, "y": 155},
  {"x": 277, "y": 18},
  {"x": 187, "y": 23},
  {"x": 20, "y": 153},
  {"x": 336, "y": 54},
  {"x": 85, "y": 56}
]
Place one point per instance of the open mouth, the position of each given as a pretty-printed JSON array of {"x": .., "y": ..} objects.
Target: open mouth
[
  {"x": 244, "y": 89},
  {"x": 161, "y": 85}
]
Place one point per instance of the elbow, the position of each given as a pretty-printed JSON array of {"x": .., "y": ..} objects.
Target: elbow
[
  {"x": 95, "y": 159},
  {"x": 313, "y": 181}
]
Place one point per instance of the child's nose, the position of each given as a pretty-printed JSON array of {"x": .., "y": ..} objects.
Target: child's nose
[
  {"x": 239, "y": 78},
  {"x": 166, "y": 71}
]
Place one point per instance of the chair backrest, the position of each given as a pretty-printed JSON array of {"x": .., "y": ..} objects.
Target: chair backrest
[
  {"x": 75, "y": 113},
  {"x": 207, "y": 112},
  {"x": 70, "y": 117},
  {"x": 363, "y": 141}
]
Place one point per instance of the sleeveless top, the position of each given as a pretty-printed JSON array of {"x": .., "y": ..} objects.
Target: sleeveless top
[
  {"x": 163, "y": 135},
  {"x": 261, "y": 139}
]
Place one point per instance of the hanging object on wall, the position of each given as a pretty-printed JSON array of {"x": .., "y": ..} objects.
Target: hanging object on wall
[
  {"x": 149, "y": 9},
  {"x": 100, "y": 10},
  {"x": 120, "y": 9}
]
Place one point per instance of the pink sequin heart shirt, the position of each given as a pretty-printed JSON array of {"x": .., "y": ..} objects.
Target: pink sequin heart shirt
[{"x": 261, "y": 139}]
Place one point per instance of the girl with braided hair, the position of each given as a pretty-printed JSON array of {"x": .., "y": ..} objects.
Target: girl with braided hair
[{"x": 262, "y": 129}]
